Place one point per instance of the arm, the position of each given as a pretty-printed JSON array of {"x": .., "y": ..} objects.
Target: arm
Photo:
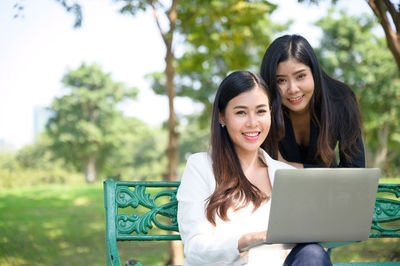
[
  {"x": 357, "y": 160},
  {"x": 294, "y": 164},
  {"x": 251, "y": 238},
  {"x": 202, "y": 244}
]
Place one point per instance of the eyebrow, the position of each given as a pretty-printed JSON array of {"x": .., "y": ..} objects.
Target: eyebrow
[
  {"x": 295, "y": 73},
  {"x": 245, "y": 107}
]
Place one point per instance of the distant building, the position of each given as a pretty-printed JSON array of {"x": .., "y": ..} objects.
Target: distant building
[{"x": 41, "y": 116}]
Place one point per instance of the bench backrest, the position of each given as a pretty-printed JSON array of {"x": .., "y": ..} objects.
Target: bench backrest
[{"x": 135, "y": 213}]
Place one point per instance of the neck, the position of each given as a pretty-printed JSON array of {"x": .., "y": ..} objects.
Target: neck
[
  {"x": 248, "y": 160},
  {"x": 300, "y": 116}
]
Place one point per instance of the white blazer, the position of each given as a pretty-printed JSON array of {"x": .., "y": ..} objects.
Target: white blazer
[{"x": 208, "y": 245}]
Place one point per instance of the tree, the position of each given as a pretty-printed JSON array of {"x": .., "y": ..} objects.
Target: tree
[
  {"x": 171, "y": 16},
  {"x": 33, "y": 164},
  {"x": 352, "y": 53},
  {"x": 220, "y": 36},
  {"x": 86, "y": 125},
  {"x": 388, "y": 14},
  {"x": 389, "y": 17},
  {"x": 142, "y": 155},
  {"x": 168, "y": 37}
]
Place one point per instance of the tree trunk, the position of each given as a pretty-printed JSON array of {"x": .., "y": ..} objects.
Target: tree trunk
[
  {"x": 176, "y": 248},
  {"x": 381, "y": 152},
  {"x": 90, "y": 170},
  {"x": 381, "y": 9},
  {"x": 172, "y": 150},
  {"x": 176, "y": 252}
]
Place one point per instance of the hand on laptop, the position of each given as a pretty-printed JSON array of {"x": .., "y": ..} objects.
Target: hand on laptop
[{"x": 251, "y": 238}]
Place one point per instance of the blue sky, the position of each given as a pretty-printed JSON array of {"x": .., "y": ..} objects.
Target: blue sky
[{"x": 38, "y": 49}]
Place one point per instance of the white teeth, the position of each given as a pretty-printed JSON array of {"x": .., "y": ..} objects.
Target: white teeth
[
  {"x": 295, "y": 99},
  {"x": 251, "y": 134}
]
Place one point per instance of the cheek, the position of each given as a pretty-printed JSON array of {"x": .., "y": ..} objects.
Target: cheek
[
  {"x": 231, "y": 122},
  {"x": 310, "y": 85},
  {"x": 266, "y": 121},
  {"x": 282, "y": 93},
  {"x": 281, "y": 89},
  {"x": 232, "y": 126}
]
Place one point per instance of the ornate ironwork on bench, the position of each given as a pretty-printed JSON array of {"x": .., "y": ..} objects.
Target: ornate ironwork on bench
[
  {"x": 386, "y": 211},
  {"x": 159, "y": 213}
]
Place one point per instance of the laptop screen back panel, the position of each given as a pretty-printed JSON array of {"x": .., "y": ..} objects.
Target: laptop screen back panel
[{"x": 322, "y": 205}]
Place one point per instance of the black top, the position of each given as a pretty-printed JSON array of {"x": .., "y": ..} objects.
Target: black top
[{"x": 293, "y": 152}]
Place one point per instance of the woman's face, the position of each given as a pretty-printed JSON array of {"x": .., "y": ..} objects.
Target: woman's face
[
  {"x": 247, "y": 119},
  {"x": 296, "y": 85}
]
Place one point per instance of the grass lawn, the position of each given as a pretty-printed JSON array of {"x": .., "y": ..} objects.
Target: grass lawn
[
  {"x": 64, "y": 225},
  {"x": 61, "y": 225}
]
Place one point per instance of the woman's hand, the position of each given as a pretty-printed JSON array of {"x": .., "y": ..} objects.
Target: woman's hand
[{"x": 251, "y": 238}]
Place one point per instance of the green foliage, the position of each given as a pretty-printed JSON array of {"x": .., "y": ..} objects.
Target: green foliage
[
  {"x": 315, "y": 1},
  {"x": 221, "y": 37},
  {"x": 388, "y": 15},
  {"x": 33, "y": 165},
  {"x": 142, "y": 154},
  {"x": 217, "y": 37},
  {"x": 352, "y": 53},
  {"x": 133, "y": 7},
  {"x": 87, "y": 126},
  {"x": 21, "y": 177},
  {"x": 38, "y": 156},
  {"x": 140, "y": 157},
  {"x": 194, "y": 138}
]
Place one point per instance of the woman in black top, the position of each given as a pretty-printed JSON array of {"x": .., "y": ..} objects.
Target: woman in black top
[{"x": 313, "y": 113}]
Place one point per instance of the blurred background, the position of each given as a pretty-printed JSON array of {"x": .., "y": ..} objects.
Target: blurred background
[{"x": 91, "y": 89}]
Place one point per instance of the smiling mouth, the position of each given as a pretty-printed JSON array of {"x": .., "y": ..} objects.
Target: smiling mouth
[
  {"x": 296, "y": 100},
  {"x": 251, "y": 135}
]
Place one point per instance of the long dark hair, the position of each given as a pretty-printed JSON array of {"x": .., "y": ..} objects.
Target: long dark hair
[
  {"x": 333, "y": 106},
  {"x": 232, "y": 187}
]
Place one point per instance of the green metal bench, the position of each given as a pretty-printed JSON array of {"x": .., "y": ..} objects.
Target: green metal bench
[{"x": 133, "y": 213}]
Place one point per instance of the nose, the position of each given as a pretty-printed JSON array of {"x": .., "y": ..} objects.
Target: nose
[
  {"x": 292, "y": 87},
  {"x": 251, "y": 120}
]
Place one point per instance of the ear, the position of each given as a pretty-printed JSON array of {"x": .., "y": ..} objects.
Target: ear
[{"x": 221, "y": 118}]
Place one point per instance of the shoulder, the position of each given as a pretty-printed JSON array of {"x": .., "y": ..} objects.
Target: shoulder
[
  {"x": 274, "y": 164},
  {"x": 199, "y": 165},
  {"x": 198, "y": 174},
  {"x": 200, "y": 158}
]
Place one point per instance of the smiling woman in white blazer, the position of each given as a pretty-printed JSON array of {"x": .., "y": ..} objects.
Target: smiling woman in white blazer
[{"x": 224, "y": 196}]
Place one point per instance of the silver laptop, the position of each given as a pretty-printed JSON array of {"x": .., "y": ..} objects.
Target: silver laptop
[{"x": 321, "y": 205}]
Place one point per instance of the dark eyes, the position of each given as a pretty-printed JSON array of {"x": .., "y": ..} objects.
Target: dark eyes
[
  {"x": 301, "y": 76},
  {"x": 260, "y": 111},
  {"x": 280, "y": 81}
]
